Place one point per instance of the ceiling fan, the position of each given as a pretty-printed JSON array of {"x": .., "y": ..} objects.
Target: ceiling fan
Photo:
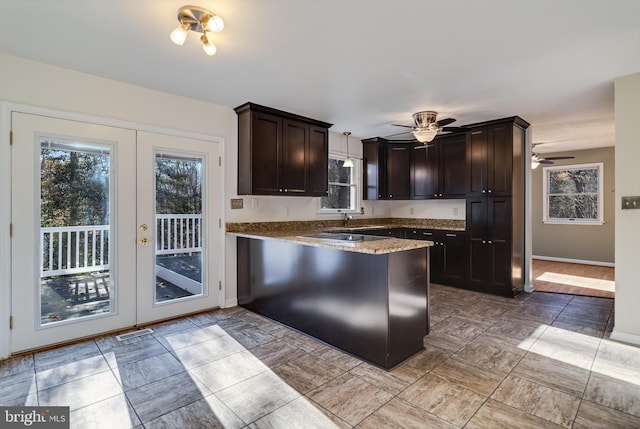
[
  {"x": 536, "y": 159},
  {"x": 427, "y": 126}
]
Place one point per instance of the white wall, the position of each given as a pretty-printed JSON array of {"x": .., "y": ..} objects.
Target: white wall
[{"x": 627, "y": 235}]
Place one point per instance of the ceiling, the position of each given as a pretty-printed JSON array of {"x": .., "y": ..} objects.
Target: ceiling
[{"x": 360, "y": 64}]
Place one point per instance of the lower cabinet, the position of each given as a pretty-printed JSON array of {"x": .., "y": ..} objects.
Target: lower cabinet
[
  {"x": 494, "y": 262},
  {"x": 448, "y": 255}
]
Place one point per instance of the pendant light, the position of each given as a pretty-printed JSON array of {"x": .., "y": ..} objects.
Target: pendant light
[{"x": 347, "y": 162}]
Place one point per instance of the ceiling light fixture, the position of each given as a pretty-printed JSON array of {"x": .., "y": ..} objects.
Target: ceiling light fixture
[
  {"x": 425, "y": 135},
  {"x": 426, "y": 126},
  {"x": 347, "y": 162},
  {"x": 200, "y": 20},
  {"x": 535, "y": 161}
]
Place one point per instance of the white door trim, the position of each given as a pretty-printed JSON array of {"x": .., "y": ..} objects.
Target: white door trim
[{"x": 6, "y": 109}]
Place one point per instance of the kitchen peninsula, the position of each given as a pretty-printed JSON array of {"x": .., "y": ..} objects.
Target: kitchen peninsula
[{"x": 365, "y": 295}]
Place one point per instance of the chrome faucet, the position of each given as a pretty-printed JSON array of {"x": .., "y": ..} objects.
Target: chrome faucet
[{"x": 345, "y": 219}]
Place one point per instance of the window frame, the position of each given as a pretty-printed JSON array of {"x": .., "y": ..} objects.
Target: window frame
[
  {"x": 354, "y": 184},
  {"x": 571, "y": 221}
]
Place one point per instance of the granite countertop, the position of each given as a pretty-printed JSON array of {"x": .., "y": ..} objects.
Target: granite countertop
[{"x": 296, "y": 231}]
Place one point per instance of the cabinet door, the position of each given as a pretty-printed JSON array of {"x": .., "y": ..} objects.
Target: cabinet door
[
  {"x": 476, "y": 160},
  {"x": 295, "y": 149},
  {"x": 266, "y": 132},
  {"x": 453, "y": 167},
  {"x": 424, "y": 171},
  {"x": 318, "y": 161},
  {"x": 499, "y": 217},
  {"x": 500, "y": 160},
  {"x": 374, "y": 174},
  {"x": 480, "y": 259},
  {"x": 454, "y": 258},
  {"x": 398, "y": 172}
]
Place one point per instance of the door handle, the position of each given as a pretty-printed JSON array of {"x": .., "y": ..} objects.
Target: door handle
[
  {"x": 143, "y": 227},
  {"x": 144, "y": 241}
]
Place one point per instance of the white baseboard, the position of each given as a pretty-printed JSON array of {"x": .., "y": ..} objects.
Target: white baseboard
[
  {"x": 230, "y": 303},
  {"x": 573, "y": 261},
  {"x": 625, "y": 338}
]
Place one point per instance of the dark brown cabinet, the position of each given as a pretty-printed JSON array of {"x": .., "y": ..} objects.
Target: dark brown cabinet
[
  {"x": 448, "y": 256},
  {"x": 495, "y": 206},
  {"x": 439, "y": 169},
  {"x": 491, "y": 151},
  {"x": 490, "y": 241},
  {"x": 405, "y": 171},
  {"x": 398, "y": 172},
  {"x": 281, "y": 153}
]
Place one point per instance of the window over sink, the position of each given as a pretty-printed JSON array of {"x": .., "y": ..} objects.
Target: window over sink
[
  {"x": 573, "y": 194},
  {"x": 343, "y": 187}
]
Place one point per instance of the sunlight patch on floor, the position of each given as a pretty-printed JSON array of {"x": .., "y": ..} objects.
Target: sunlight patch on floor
[{"x": 579, "y": 281}]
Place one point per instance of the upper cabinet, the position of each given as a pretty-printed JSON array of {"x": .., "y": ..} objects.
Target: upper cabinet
[
  {"x": 439, "y": 168},
  {"x": 412, "y": 171},
  {"x": 494, "y": 157},
  {"x": 387, "y": 169},
  {"x": 281, "y": 153}
]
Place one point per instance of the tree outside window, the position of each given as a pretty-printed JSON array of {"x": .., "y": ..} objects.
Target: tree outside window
[
  {"x": 343, "y": 188},
  {"x": 573, "y": 194}
]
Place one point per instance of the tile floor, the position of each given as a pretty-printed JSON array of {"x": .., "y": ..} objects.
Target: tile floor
[{"x": 537, "y": 361}]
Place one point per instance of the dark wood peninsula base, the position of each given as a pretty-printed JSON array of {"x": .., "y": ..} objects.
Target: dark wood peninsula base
[{"x": 373, "y": 306}]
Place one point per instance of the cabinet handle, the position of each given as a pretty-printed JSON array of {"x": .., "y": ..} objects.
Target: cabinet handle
[
  {"x": 489, "y": 191},
  {"x": 379, "y": 196},
  {"x": 390, "y": 196},
  {"x": 427, "y": 233},
  {"x": 451, "y": 235},
  {"x": 489, "y": 242},
  {"x": 483, "y": 191},
  {"x": 484, "y": 241},
  {"x": 440, "y": 195},
  {"x": 435, "y": 195}
]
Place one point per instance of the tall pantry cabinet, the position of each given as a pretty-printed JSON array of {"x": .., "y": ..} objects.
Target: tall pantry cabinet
[{"x": 495, "y": 205}]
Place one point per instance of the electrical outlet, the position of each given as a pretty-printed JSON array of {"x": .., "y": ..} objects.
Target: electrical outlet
[
  {"x": 236, "y": 203},
  {"x": 630, "y": 203},
  {"x": 455, "y": 211},
  {"x": 412, "y": 210}
]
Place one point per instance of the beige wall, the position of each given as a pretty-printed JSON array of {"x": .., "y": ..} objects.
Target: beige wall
[
  {"x": 627, "y": 104},
  {"x": 592, "y": 243}
]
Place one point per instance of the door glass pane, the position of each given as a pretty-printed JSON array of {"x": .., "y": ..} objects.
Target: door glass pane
[
  {"x": 75, "y": 279},
  {"x": 179, "y": 226}
]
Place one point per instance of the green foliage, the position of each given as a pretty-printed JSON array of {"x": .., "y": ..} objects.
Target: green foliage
[
  {"x": 178, "y": 186},
  {"x": 74, "y": 188}
]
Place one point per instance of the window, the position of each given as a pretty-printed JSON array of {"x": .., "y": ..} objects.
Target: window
[
  {"x": 343, "y": 187},
  {"x": 573, "y": 194}
]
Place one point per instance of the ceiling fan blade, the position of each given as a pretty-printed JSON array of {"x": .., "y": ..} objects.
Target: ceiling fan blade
[
  {"x": 446, "y": 121},
  {"x": 399, "y": 125},
  {"x": 398, "y": 134},
  {"x": 555, "y": 158},
  {"x": 545, "y": 161}
]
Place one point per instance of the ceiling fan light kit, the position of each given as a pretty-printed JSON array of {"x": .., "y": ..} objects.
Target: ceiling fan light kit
[
  {"x": 427, "y": 127},
  {"x": 199, "y": 20}
]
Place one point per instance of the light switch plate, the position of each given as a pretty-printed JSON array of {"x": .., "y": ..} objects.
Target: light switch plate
[
  {"x": 630, "y": 203},
  {"x": 236, "y": 203}
]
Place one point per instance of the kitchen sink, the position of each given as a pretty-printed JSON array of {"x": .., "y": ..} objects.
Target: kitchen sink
[{"x": 344, "y": 237}]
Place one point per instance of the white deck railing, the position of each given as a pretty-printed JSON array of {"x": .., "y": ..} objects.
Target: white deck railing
[
  {"x": 74, "y": 249},
  {"x": 178, "y": 233},
  {"x": 84, "y": 249}
]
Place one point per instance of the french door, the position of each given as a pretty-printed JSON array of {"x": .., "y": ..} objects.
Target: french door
[{"x": 111, "y": 228}]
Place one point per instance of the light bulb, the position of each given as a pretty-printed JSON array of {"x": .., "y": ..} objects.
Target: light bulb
[
  {"x": 215, "y": 24},
  {"x": 425, "y": 135},
  {"x": 209, "y": 48},
  {"x": 534, "y": 164},
  {"x": 179, "y": 35},
  {"x": 347, "y": 163}
]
